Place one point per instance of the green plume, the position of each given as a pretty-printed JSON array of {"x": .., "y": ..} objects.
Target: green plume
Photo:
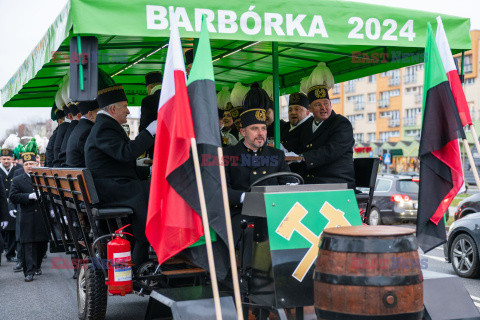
[{"x": 31, "y": 146}]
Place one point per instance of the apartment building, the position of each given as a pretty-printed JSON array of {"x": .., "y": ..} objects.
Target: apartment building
[{"x": 386, "y": 109}]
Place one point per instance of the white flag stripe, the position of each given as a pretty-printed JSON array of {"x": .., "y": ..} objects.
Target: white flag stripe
[
  {"x": 444, "y": 47},
  {"x": 173, "y": 62}
]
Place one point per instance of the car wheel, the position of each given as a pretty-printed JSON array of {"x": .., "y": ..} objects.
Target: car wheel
[
  {"x": 374, "y": 217},
  {"x": 464, "y": 256}
]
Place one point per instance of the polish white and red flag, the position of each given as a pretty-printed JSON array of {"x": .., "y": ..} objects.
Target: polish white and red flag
[
  {"x": 172, "y": 224},
  {"x": 452, "y": 74}
]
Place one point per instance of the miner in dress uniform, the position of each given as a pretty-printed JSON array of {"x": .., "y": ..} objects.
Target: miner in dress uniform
[
  {"x": 59, "y": 116},
  {"x": 326, "y": 142},
  {"x": 111, "y": 157},
  {"x": 75, "y": 153},
  {"x": 33, "y": 232}
]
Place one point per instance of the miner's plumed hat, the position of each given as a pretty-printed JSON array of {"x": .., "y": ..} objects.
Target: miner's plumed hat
[
  {"x": 298, "y": 99},
  {"x": 317, "y": 92},
  {"x": 253, "y": 116},
  {"x": 153, "y": 77},
  {"x": 111, "y": 95},
  {"x": 86, "y": 106}
]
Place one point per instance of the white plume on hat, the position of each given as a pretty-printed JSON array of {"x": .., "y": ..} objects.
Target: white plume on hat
[
  {"x": 42, "y": 143},
  {"x": 59, "y": 99},
  {"x": 66, "y": 89},
  {"x": 321, "y": 75},
  {"x": 222, "y": 98},
  {"x": 239, "y": 92},
  {"x": 267, "y": 85},
  {"x": 11, "y": 142},
  {"x": 304, "y": 85}
]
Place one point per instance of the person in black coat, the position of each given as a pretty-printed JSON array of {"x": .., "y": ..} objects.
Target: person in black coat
[
  {"x": 76, "y": 115},
  {"x": 75, "y": 154},
  {"x": 149, "y": 106},
  {"x": 327, "y": 143},
  {"x": 249, "y": 160},
  {"x": 33, "y": 232},
  {"x": 297, "y": 115},
  {"x": 7, "y": 171},
  {"x": 61, "y": 130},
  {"x": 111, "y": 157},
  {"x": 59, "y": 116},
  {"x": 3, "y": 214}
]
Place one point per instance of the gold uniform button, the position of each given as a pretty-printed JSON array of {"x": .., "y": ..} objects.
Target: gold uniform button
[
  {"x": 35, "y": 210},
  {"x": 308, "y": 176},
  {"x": 311, "y": 163},
  {"x": 254, "y": 172},
  {"x": 264, "y": 172},
  {"x": 6, "y": 189}
]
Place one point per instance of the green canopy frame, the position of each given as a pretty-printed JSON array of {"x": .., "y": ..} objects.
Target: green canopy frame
[{"x": 250, "y": 40}]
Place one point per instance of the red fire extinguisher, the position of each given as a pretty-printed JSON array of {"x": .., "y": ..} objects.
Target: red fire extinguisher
[{"x": 120, "y": 269}]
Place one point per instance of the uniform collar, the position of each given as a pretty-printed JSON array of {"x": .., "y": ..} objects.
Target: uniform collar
[
  {"x": 250, "y": 151},
  {"x": 302, "y": 121},
  {"x": 5, "y": 169}
]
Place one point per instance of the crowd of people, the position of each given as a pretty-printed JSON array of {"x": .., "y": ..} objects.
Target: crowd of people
[{"x": 316, "y": 143}]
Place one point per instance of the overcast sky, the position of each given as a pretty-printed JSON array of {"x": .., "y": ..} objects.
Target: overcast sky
[{"x": 24, "y": 22}]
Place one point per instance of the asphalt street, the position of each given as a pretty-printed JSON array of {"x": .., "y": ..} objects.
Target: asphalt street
[{"x": 52, "y": 295}]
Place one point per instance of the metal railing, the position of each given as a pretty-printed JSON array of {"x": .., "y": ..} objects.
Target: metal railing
[
  {"x": 394, "y": 82},
  {"x": 392, "y": 123},
  {"x": 418, "y": 98},
  {"x": 359, "y": 105},
  {"x": 384, "y": 103},
  {"x": 349, "y": 88},
  {"x": 409, "y": 121},
  {"x": 410, "y": 78}
]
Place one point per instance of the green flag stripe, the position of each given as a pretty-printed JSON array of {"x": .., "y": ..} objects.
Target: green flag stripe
[{"x": 202, "y": 67}]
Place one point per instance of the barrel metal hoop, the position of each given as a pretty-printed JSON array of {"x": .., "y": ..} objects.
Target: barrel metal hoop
[
  {"x": 372, "y": 281},
  {"x": 330, "y": 315},
  {"x": 368, "y": 245}
]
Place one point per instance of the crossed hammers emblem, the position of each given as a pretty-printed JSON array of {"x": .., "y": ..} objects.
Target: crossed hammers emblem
[{"x": 293, "y": 222}]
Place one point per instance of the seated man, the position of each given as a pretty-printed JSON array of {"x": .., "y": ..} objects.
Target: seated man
[
  {"x": 111, "y": 157},
  {"x": 297, "y": 115},
  {"x": 249, "y": 160},
  {"x": 326, "y": 142}
]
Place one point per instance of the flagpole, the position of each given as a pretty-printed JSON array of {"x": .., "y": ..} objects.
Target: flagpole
[
  {"x": 472, "y": 162},
  {"x": 206, "y": 229},
  {"x": 231, "y": 249}
]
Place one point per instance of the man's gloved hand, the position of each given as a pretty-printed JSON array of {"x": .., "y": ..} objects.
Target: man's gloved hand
[
  {"x": 242, "y": 197},
  {"x": 32, "y": 196},
  {"x": 13, "y": 213},
  {"x": 152, "y": 127},
  {"x": 4, "y": 224},
  {"x": 141, "y": 162},
  {"x": 52, "y": 213}
]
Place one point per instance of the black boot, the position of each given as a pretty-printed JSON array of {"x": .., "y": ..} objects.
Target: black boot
[
  {"x": 18, "y": 267},
  {"x": 29, "y": 278}
]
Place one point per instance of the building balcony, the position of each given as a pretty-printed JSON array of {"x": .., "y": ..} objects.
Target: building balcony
[
  {"x": 393, "y": 123},
  {"x": 359, "y": 106},
  {"x": 349, "y": 88},
  {"x": 410, "y": 78},
  {"x": 392, "y": 82},
  {"x": 468, "y": 68},
  {"x": 418, "y": 98},
  {"x": 383, "y": 103},
  {"x": 409, "y": 121}
]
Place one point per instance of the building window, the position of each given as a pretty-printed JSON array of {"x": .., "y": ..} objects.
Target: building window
[
  {"x": 372, "y": 97},
  {"x": 335, "y": 101},
  {"x": 413, "y": 133},
  {"x": 468, "y": 67},
  {"x": 371, "y": 137},
  {"x": 372, "y": 78},
  {"x": 336, "y": 88},
  {"x": 358, "y": 137},
  {"x": 469, "y": 81},
  {"x": 358, "y": 101},
  {"x": 385, "y": 114},
  {"x": 372, "y": 117}
]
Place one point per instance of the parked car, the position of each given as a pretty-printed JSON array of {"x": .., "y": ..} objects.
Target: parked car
[
  {"x": 395, "y": 199},
  {"x": 412, "y": 174},
  {"x": 461, "y": 249},
  {"x": 467, "y": 206}
]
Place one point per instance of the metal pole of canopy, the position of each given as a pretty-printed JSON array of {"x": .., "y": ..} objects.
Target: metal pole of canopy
[{"x": 276, "y": 94}]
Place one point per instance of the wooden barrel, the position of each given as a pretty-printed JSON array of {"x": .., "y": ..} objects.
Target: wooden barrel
[{"x": 368, "y": 272}]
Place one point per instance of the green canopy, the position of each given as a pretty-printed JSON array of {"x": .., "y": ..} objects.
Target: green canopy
[{"x": 354, "y": 39}]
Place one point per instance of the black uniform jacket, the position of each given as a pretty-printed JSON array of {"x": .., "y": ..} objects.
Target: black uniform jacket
[
  {"x": 62, "y": 129},
  {"x": 3, "y": 205},
  {"x": 328, "y": 152},
  {"x": 32, "y": 225},
  {"x": 246, "y": 166},
  {"x": 7, "y": 184},
  {"x": 76, "y": 144},
  {"x": 111, "y": 157},
  {"x": 49, "y": 153},
  {"x": 62, "y": 157},
  {"x": 149, "y": 109},
  {"x": 148, "y": 113},
  {"x": 290, "y": 139}
]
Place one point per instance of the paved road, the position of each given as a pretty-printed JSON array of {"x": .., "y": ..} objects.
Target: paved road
[{"x": 52, "y": 296}]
